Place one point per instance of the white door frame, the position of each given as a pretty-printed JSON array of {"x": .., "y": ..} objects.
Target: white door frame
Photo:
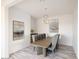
[{"x": 4, "y": 26}]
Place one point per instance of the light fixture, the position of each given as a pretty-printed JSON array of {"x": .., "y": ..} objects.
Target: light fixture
[{"x": 45, "y": 16}]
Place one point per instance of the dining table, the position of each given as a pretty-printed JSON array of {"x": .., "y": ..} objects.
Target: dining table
[{"x": 44, "y": 44}]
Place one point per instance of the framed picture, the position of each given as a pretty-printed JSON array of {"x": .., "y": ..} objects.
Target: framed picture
[
  {"x": 54, "y": 27},
  {"x": 18, "y": 30}
]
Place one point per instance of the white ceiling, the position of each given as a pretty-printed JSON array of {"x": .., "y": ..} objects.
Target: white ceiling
[{"x": 55, "y": 7}]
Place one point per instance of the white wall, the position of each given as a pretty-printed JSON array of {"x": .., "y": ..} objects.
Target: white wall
[
  {"x": 75, "y": 36},
  {"x": 4, "y": 28},
  {"x": 34, "y": 24},
  {"x": 4, "y": 32},
  {"x": 42, "y": 27},
  {"x": 65, "y": 28},
  {"x": 19, "y": 15}
]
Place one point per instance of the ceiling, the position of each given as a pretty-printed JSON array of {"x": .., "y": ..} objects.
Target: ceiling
[{"x": 54, "y": 7}]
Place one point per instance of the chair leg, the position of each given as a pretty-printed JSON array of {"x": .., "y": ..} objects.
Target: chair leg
[
  {"x": 57, "y": 45},
  {"x": 54, "y": 50}
]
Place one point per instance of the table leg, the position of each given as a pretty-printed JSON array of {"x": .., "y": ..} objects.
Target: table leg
[{"x": 45, "y": 52}]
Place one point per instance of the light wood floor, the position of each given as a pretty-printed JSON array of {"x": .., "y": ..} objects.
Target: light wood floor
[{"x": 64, "y": 52}]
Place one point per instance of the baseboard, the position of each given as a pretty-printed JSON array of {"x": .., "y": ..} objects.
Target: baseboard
[{"x": 64, "y": 45}]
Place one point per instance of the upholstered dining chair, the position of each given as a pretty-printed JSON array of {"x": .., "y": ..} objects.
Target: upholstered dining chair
[
  {"x": 54, "y": 44},
  {"x": 34, "y": 38}
]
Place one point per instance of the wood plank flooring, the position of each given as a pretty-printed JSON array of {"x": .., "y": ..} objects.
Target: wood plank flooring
[{"x": 64, "y": 52}]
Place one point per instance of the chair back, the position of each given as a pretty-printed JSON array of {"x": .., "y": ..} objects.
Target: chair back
[
  {"x": 40, "y": 37},
  {"x": 55, "y": 41},
  {"x": 33, "y": 38},
  {"x": 57, "y": 45}
]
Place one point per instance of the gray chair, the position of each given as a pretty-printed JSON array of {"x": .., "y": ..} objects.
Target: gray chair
[
  {"x": 54, "y": 45},
  {"x": 33, "y": 38},
  {"x": 57, "y": 45}
]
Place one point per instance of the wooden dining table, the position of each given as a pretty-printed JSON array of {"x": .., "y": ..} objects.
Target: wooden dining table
[{"x": 43, "y": 44}]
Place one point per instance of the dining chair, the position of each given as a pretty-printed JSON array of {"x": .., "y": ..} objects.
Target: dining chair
[
  {"x": 57, "y": 45},
  {"x": 54, "y": 44},
  {"x": 33, "y": 38}
]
